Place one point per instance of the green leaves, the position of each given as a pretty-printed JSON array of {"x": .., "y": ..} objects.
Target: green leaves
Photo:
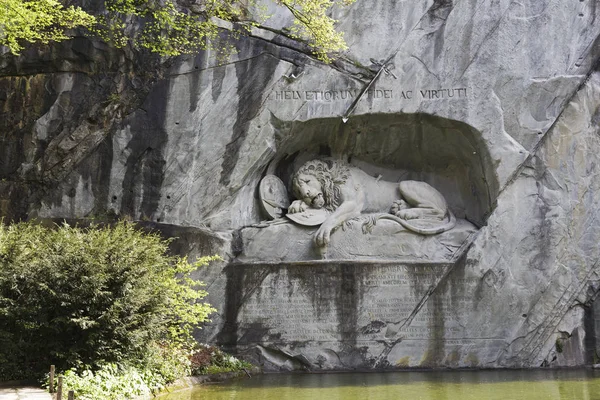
[
  {"x": 314, "y": 25},
  {"x": 162, "y": 26},
  {"x": 38, "y": 21},
  {"x": 211, "y": 360},
  {"x": 111, "y": 382},
  {"x": 73, "y": 296}
]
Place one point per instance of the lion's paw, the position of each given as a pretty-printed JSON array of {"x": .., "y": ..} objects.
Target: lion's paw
[
  {"x": 323, "y": 236},
  {"x": 297, "y": 206},
  {"x": 408, "y": 214},
  {"x": 399, "y": 205}
]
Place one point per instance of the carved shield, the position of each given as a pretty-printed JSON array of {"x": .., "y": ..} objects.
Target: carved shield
[{"x": 273, "y": 196}]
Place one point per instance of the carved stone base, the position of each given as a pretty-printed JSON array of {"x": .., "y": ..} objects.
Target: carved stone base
[
  {"x": 388, "y": 240},
  {"x": 345, "y": 316}
]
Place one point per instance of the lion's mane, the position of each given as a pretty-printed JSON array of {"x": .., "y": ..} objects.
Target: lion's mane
[{"x": 330, "y": 174}]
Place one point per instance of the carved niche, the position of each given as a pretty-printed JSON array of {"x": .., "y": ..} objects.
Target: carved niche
[{"x": 340, "y": 212}]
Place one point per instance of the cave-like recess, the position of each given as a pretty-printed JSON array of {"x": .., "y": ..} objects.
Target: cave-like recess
[{"x": 447, "y": 154}]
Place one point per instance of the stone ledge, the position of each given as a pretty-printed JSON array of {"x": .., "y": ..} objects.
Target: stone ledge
[{"x": 388, "y": 241}]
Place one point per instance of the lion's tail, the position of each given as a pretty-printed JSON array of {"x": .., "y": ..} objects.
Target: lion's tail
[{"x": 423, "y": 231}]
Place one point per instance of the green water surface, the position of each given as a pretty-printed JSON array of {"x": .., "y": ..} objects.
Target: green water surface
[{"x": 435, "y": 385}]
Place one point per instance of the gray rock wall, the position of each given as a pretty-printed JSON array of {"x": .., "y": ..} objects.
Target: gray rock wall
[{"x": 495, "y": 103}]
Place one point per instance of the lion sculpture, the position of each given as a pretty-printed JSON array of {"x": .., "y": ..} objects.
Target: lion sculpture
[{"x": 347, "y": 192}]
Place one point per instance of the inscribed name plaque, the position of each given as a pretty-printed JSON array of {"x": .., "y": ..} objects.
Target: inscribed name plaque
[{"x": 344, "y": 316}]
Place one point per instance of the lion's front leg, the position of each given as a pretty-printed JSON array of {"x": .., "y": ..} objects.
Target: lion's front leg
[{"x": 346, "y": 211}]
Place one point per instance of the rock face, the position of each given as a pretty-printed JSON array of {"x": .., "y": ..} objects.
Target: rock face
[{"x": 495, "y": 104}]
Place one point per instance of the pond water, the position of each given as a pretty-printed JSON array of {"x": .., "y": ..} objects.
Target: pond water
[{"x": 581, "y": 384}]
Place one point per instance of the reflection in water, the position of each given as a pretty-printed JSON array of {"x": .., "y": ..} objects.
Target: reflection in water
[{"x": 435, "y": 385}]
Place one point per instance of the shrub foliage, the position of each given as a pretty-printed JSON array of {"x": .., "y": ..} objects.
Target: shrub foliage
[
  {"x": 82, "y": 298},
  {"x": 163, "y": 364},
  {"x": 206, "y": 360}
]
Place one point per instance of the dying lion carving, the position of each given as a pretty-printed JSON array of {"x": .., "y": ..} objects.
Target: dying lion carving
[{"x": 347, "y": 192}]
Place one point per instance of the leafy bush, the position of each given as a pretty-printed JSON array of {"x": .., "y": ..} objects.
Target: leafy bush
[
  {"x": 163, "y": 364},
  {"x": 211, "y": 360},
  {"x": 84, "y": 298},
  {"x": 111, "y": 382}
]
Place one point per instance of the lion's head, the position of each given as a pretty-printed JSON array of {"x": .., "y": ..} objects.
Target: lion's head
[{"x": 318, "y": 183}]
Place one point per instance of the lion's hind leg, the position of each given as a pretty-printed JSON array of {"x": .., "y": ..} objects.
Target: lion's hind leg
[
  {"x": 421, "y": 213},
  {"x": 426, "y": 202}
]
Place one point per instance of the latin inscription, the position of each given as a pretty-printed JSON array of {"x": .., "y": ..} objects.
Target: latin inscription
[
  {"x": 304, "y": 311},
  {"x": 351, "y": 94}
]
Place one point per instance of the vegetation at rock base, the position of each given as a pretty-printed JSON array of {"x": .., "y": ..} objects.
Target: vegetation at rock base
[
  {"x": 163, "y": 366},
  {"x": 167, "y": 27},
  {"x": 211, "y": 360},
  {"x": 85, "y": 299},
  {"x": 121, "y": 381}
]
